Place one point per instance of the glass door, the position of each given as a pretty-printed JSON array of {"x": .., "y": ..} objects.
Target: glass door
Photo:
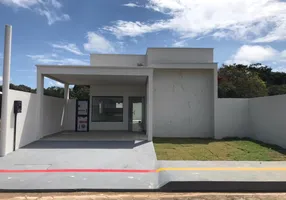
[{"x": 136, "y": 114}]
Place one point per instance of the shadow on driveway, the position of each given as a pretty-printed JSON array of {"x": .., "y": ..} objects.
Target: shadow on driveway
[{"x": 84, "y": 144}]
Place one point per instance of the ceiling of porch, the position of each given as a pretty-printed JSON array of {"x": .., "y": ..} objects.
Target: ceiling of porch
[{"x": 98, "y": 79}]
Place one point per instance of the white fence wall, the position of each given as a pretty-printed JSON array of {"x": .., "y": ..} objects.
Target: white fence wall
[
  {"x": 231, "y": 118},
  {"x": 52, "y": 111},
  {"x": 259, "y": 118},
  {"x": 27, "y": 120},
  {"x": 268, "y": 119}
]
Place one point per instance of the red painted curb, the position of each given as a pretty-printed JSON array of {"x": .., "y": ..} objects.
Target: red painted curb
[{"x": 76, "y": 170}]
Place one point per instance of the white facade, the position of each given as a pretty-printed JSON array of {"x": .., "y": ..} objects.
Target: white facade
[
  {"x": 182, "y": 88},
  {"x": 179, "y": 88},
  {"x": 176, "y": 87},
  {"x": 116, "y": 60},
  {"x": 183, "y": 103}
]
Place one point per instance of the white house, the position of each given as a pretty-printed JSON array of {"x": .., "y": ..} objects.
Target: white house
[{"x": 168, "y": 92}]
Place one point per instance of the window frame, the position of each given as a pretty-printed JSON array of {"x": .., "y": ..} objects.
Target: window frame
[{"x": 107, "y": 97}]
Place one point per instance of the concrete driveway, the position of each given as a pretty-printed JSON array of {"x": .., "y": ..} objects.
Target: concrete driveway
[{"x": 61, "y": 155}]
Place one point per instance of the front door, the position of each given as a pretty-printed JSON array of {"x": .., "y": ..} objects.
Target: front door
[{"x": 136, "y": 114}]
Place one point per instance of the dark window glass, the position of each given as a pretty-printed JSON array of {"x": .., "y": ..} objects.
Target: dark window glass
[{"x": 107, "y": 109}]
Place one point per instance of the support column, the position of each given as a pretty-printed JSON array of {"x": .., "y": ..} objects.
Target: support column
[
  {"x": 65, "y": 106},
  {"x": 150, "y": 107},
  {"x": 40, "y": 99},
  {"x": 5, "y": 93}
]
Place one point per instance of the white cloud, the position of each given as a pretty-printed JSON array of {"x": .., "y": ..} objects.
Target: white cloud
[
  {"x": 182, "y": 43},
  {"x": 132, "y": 29},
  {"x": 55, "y": 83},
  {"x": 20, "y": 3},
  {"x": 48, "y": 8},
  {"x": 56, "y": 4},
  {"x": 52, "y": 60},
  {"x": 68, "y": 47},
  {"x": 51, "y": 16},
  {"x": 50, "y": 83},
  {"x": 97, "y": 43},
  {"x": 132, "y": 5},
  {"x": 255, "y": 20},
  {"x": 283, "y": 54},
  {"x": 249, "y": 54}
]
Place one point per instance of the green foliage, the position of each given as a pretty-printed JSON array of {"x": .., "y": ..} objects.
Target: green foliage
[
  {"x": 54, "y": 92},
  {"x": 237, "y": 81},
  {"x": 23, "y": 88},
  {"x": 277, "y": 90},
  {"x": 78, "y": 92},
  {"x": 246, "y": 81}
]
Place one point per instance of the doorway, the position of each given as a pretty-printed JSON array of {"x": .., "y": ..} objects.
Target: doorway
[{"x": 136, "y": 114}]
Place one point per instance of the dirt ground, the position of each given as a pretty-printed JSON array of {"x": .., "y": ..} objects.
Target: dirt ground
[{"x": 141, "y": 196}]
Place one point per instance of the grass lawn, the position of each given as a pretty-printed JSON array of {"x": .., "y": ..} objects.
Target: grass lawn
[{"x": 210, "y": 149}]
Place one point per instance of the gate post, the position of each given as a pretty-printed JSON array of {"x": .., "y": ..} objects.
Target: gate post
[{"x": 4, "y": 135}]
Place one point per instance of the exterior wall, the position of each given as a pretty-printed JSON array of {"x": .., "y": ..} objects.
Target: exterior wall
[
  {"x": 26, "y": 126},
  {"x": 52, "y": 115},
  {"x": 69, "y": 120},
  {"x": 231, "y": 118},
  {"x": 26, "y": 121},
  {"x": 115, "y": 90},
  {"x": 267, "y": 119},
  {"x": 183, "y": 103},
  {"x": 116, "y": 60},
  {"x": 179, "y": 55}
]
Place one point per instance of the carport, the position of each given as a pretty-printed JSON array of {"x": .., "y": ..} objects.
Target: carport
[{"x": 108, "y": 78}]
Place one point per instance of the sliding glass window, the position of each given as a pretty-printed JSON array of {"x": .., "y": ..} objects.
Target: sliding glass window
[{"x": 107, "y": 109}]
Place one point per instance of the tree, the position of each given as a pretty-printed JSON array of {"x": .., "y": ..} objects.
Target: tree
[
  {"x": 54, "y": 91},
  {"x": 263, "y": 71},
  {"x": 237, "y": 81},
  {"x": 277, "y": 90},
  {"x": 80, "y": 92}
]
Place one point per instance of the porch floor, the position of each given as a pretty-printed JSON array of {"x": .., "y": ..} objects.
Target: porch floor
[{"x": 96, "y": 136}]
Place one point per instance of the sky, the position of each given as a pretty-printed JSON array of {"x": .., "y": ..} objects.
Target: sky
[{"x": 67, "y": 31}]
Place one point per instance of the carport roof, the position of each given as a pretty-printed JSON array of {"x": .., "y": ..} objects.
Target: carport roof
[
  {"x": 98, "y": 79},
  {"x": 88, "y": 75}
]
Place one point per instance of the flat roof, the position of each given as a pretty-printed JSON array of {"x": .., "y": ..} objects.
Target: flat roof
[{"x": 150, "y": 48}]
